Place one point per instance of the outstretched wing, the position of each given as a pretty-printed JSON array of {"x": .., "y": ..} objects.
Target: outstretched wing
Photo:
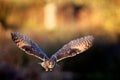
[
  {"x": 27, "y": 45},
  {"x": 73, "y": 48}
]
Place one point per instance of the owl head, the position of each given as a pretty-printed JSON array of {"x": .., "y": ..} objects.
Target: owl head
[{"x": 48, "y": 65}]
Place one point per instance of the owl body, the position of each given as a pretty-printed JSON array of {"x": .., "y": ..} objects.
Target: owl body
[{"x": 70, "y": 49}]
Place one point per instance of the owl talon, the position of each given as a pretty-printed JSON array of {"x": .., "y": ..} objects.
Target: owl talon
[{"x": 47, "y": 70}]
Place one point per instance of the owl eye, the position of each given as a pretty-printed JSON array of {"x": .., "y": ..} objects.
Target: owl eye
[{"x": 51, "y": 63}]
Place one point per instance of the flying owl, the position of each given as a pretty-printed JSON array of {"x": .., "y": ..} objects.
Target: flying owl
[{"x": 70, "y": 49}]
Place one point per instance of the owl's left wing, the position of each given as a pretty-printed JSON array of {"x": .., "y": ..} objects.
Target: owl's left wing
[
  {"x": 26, "y": 44},
  {"x": 73, "y": 48}
]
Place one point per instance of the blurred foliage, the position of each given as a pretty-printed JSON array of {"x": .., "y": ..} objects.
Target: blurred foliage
[{"x": 74, "y": 18}]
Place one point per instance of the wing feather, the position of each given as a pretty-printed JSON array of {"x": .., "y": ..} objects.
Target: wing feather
[
  {"x": 27, "y": 45},
  {"x": 73, "y": 48}
]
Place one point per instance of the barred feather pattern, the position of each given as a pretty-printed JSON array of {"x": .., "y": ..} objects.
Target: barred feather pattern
[
  {"x": 27, "y": 45},
  {"x": 74, "y": 47}
]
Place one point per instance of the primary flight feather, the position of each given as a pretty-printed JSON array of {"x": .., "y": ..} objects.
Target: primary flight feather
[{"x": 70, "y": 49}]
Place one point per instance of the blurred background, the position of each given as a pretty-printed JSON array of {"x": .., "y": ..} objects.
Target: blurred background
[{"x": 51, "y": 24}]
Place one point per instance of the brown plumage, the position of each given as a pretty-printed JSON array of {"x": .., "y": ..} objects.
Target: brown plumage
[{"x": 70, "y": 49}]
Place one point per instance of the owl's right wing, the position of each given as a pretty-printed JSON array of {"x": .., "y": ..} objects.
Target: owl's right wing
[
  {"x": 27, "y": 45},
  {"x": 73, "y": 48}
]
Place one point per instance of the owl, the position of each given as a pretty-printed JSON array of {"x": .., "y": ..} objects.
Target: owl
[{"x": 70, "y": 49}]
